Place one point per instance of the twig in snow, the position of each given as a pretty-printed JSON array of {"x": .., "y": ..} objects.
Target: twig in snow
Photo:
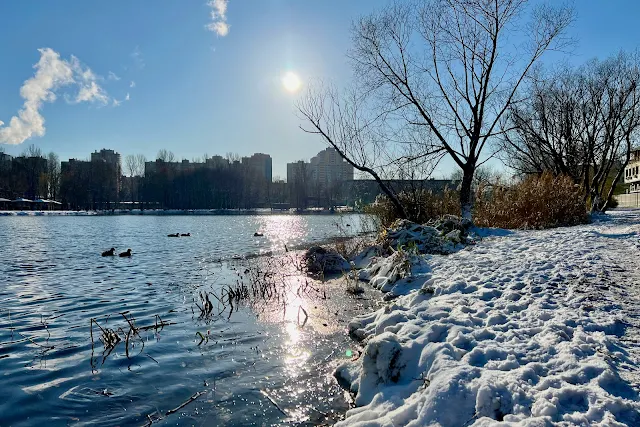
[
  {"x": 191, "y": 399},
  {"x": 273, "y": 402},
  {"x": 306, "y": 316}
]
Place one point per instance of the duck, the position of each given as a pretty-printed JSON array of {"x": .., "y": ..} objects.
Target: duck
[
  {"x": 256, "y": 234},
  {"x": 125, "y": 254},
  {"x": 110, "y": 252},
  {"x": 186, "y": 234},
  {"x": 173, "y": 235}
]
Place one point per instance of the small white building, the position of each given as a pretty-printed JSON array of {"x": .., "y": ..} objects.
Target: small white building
[{"x": 632, "y": 172}]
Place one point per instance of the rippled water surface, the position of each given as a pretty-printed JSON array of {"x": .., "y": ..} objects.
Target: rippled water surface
[{"x": 252, "y": 369}]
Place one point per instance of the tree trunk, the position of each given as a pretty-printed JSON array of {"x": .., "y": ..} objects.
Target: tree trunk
[
  {"x": 466, "y": 192},
  {"x": 607, "y": 202}
]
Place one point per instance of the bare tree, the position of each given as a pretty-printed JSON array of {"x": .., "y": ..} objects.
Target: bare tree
[
  {"x": 348, "y": 124},
  {"x": 131, "y": 169},
  {"x": 580, "y": 123},
  {"x": 484, "y": 176},
  {"x": 166, "y": 156},
  {"x": 232, "y": 157},
  {"x": 130, "y": 165},
  {"x": 134, "y": 166},
  {"x": 141, "y": 160},
  {"x": 446, "y": 67},
  {"x": 53, "y": 175},
  {"x": 32, "y": 151}
]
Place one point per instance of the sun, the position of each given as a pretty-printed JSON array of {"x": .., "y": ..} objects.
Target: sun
[{"x": 291, "y": 82}]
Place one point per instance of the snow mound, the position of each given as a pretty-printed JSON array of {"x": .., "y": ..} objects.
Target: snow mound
[
  {"x": 443, "y": 236},
  {"x": 403, "y": 270},
  {"x": 320, "y": 260},
  {"x": 509, "y": 333}
]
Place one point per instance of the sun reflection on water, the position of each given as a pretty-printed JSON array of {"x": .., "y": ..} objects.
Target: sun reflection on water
[
  {"x": 281, "y": 230},
  {"x": 53, "y": 281}
]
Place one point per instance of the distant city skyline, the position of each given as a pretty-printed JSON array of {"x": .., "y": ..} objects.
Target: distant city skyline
[{"x": 192, "y": 79}]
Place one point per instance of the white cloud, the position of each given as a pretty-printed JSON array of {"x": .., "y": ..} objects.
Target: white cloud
[
  {"x": 117, "y": 103},
  {"x": 113, "y": 76},
  {"x": 132, "y": 84},
  {"x": 137, "y": 58},
  {"x": 52, "y": 73},
  {"x": 218, "y": 22},
  {"x": 89, "y": 91}
]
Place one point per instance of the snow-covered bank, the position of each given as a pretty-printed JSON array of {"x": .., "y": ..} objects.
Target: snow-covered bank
[{"x": 522, "y": 328}]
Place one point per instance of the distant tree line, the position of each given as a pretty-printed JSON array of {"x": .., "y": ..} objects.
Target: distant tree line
[{"x": 32, "y": 175}]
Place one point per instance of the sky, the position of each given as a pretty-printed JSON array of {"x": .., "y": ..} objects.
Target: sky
[{"x": 198, "y": 77}]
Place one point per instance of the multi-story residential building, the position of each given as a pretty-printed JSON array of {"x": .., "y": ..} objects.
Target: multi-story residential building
[
  {"x": 216, "y": 162},
  {"x": 213, "y": 162},
  {"x": 5, "y": 173},
  {"x": 329, "y": 168},
  {"x": 299, "y": 183},
  {"x": 105, "y": 155},
  {"x": 632, "y": 172},
  {"x": 298, "y": 171},
  {"x": 259, "y": 164},
  {"x": 110, "y": 157},
  {"x": 324, "y": 170},
  {"x": 4, "y": 158},
  {"x": 95, "y": 183},
  {"x": 320, "y": 180}
]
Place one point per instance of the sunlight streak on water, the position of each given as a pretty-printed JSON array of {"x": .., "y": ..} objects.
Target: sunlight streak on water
[{"x": 53, "y": 281}]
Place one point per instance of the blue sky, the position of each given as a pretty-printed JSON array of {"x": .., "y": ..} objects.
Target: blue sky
[{"x": 195, "y": 91}]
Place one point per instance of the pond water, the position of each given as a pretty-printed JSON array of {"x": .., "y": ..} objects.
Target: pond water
[{"x": 243, "y": 367}]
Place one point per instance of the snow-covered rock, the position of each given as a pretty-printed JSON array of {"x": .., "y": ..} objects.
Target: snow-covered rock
[
  {"x": 320, "y": 260},
  {"x": 443, "y": 236},
  {"x": 524, "y": 329}
]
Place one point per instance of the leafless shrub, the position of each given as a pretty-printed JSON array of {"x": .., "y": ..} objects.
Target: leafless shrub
[
  {"x": 424, "y": 206},
  {"x": 543, "y": 201}
]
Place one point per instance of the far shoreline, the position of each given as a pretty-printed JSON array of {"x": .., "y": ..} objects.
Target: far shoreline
[{"x": 178, "y": 212}]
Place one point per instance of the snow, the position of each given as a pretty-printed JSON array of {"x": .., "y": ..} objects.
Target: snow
[
  {"x": 522, "y": 328},
  {"x": 320, "y": 260},
  {"x": 443, "y": 236},
  {"x": 47, "y": 213}
]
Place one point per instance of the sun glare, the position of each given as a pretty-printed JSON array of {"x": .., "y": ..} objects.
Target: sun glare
[{"x": 291, "y": 82}]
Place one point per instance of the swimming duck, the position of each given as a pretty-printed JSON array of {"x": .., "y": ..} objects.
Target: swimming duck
[
  {"x": 186, "y": 234},
  {"x": 110, "y": 252},
  {"x": 125, "y": 254},
  {"x": 256, "y": 234},
  {"x": 173, "y": 235}
]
